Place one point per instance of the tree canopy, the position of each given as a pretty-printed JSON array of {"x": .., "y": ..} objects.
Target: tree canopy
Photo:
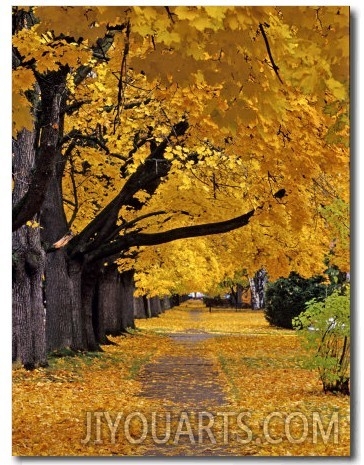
[{"x": 173, "y": 119}]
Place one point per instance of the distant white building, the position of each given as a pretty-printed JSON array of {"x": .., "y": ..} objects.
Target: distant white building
[{"x": 196, "y": 295}]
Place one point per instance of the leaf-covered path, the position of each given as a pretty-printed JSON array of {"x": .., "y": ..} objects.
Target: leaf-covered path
[
  {"x": 189, "y": 383},
  {"x": 193, "y": 383},
  {"x": 223, "y": 369},
  {"x": 191, "y": 379}
]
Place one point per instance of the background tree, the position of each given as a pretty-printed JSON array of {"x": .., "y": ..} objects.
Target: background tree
[
  {"x": 286, "y": 298},
  {"x": 146, "y": 151},
  {"x": 257, "y": 288}
]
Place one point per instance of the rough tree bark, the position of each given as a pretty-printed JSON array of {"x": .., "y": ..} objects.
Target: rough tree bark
[
  {"x": 91, "y": 317},
  {"x": 109, "y": 303},
  {"x": 115, "y": 302},
  {"x": 127, "y": 301},
  {"x": 139, "y": 308},
  {"x": 65, "y": 325},
  {"x": 155, "y": 306},
  {"x": 64, "y": 322},
  {"x": 165, "y": 303},
  {"x": 28, "y": 268},
  {"x": 257, "y": 286}
]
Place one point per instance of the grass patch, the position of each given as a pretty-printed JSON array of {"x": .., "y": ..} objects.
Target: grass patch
[
  {"x": 269, "y": 362},
  {"x": 225, "y": 366},
  {"x": 137, "y": 365}
]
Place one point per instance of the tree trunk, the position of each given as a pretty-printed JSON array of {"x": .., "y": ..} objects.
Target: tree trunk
[
  {"x": 239, "y": 296},
  {"x": 236, "y": 296},
  {"x": 29, "y": 346},
  {"x": 116, "y": 301},
  {"x": 155, "y": 306},
  {"x": 257, "y": 289},
  {"x": 64, "y": 324},
  {"x": 91, "y": 316},
  {"x": 28, "y": 317},
  {"x": 127, "y": 300},
  {"x": 139, "y": 308},
  {"x": 147, "y": 310},
  {"x": 63, "y": 280},
  {"x": 109, "y": 298},
  {"x": 175, "y": 300},
  {"x": 165, "y": 303}
]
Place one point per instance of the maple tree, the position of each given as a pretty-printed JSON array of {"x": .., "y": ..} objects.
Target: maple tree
[{"x": 153, "y": 124}]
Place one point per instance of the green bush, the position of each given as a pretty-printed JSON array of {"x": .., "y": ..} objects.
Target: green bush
[
  {"x": 325, "y": 329},
  {"x": 286, "y": 298}
]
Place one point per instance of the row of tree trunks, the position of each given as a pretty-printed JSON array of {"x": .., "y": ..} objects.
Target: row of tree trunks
[
  {"x": 84, "y": 301},
  {"x": 65, "y": 297}
]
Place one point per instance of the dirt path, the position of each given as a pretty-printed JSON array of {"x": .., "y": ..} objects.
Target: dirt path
[{"x": 189, "y": 388}]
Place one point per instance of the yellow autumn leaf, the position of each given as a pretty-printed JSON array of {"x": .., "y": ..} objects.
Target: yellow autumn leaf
[{"x": 338, "y": 89}]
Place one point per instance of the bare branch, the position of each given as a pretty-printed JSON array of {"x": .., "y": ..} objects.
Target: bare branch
[
  {"x": 170, "y": 14},
  {"x": 121, "y": 95},
  {"x": 74, "y": 190},
  {"x": 274, "y": 66}
]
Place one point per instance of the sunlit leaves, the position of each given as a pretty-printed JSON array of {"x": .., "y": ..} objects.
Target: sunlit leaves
[
  {"x": 338, "y": 89},
  {"x": 185, "y": 266},
  {"x": 249, "y": 136},
  {"x": 49, "y": 54},
  {"x": 71, "y": 21},
  {"x": 22, "y": 117}
]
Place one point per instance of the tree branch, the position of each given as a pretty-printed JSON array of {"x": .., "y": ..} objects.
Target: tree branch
[
  {"x": 75, "y": 196},
  {"x": 129, "y": 224},
  {"x": 85, "y": 140},
  {"x": 143, "y": 178},
  {"x": 170, "y": 14},
  {"x": 123, "y": 69},
  {"x": 143, "y": 239},
  {"x": 274, "y": 66}
]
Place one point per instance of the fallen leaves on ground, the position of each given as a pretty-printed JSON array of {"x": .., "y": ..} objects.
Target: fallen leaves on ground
[{"x": 283, "y": 408}]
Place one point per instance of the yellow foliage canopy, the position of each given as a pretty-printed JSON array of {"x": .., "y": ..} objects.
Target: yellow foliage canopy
[{"x": 265, "y": 92}]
